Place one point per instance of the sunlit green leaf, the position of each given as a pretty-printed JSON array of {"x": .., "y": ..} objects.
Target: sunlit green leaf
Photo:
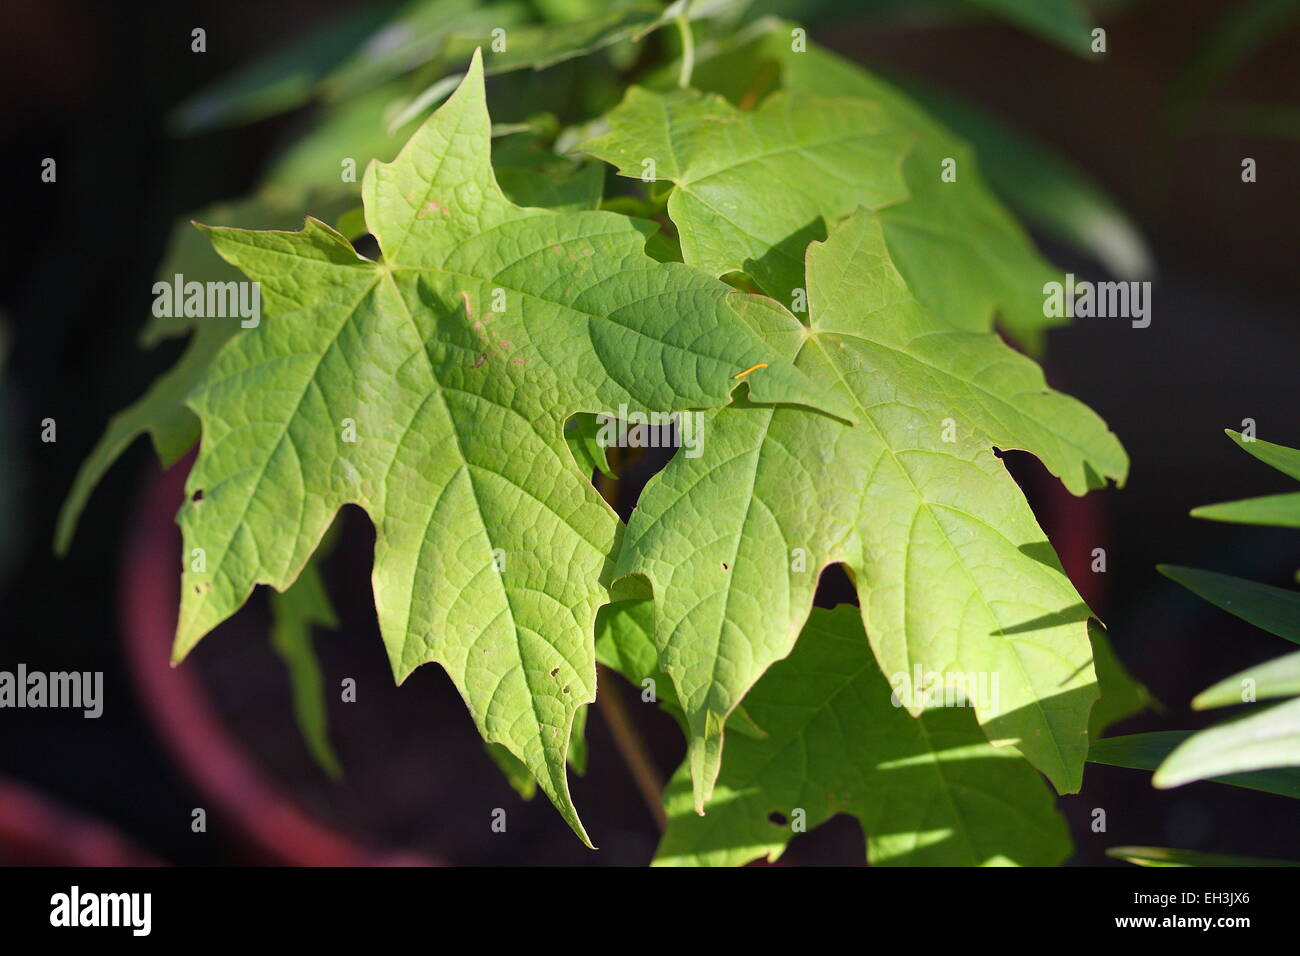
[{"x": 952, "y": 572}]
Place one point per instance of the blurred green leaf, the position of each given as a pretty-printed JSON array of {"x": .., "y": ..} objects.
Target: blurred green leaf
[
  {"x": 1165, "y": 856},
  {"x": 293, "y": 614},
  {"x": 418, "y": 34},
  {"x": 1049, "y": 191},
  {"x": 1063, "y": 22},
  {"x": 1226, "y": 45},
  {"x": 282, "y": 79}
]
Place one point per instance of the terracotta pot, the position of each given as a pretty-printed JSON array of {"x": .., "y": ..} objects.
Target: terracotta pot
[
  {"x": 38, "y": 831},
  {"x": 267, "y": 821}
]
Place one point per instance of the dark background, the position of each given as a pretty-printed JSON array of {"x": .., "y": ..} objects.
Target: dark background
[{"x": 90, "y": 84}]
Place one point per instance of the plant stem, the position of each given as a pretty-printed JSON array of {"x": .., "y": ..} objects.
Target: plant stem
[
  {"x": 688, "y": 49},
  {"x": 630, "y": 745},
  {"x": 627, "y": 738}
]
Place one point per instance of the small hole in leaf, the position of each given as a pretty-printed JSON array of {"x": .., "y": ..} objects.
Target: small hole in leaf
[
  {"x": 724, "y": 566},
  {"x": 565, "y": 691},
  {"x": 555, "y": 671},
  {"x": 198, "y": 495},
  {"x": 777, "y": 818}
]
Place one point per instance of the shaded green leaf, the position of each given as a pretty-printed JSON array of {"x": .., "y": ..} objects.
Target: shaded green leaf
[
  {"x": 1146, "y": 751},
  {"x": 1165, "y": 856},
  {"x": 281, "y": 80},
  {"x": 928, "y": 791},
  {"x": 1276, "y": 610},
  {"x": 1064, "y": 22},
  {"x": 293, "y": 613},
  {"x": 1120, "y": 695}
]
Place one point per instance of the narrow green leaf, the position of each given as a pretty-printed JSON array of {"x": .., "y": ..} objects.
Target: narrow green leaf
[
  {"x": 1064, "y": 22},
  {"x": 1146, "y": 751},
  {"x": 441, "y": 36},
  {"x": 1281, "y": 511},
  {"x": 1256, "y": 741},
  {"x": 581, "y": 433},
  {"x": 1165, "y": 856},
  {"x": 1276, "y": 678},
  {"x": 293, "y": 613},
  {"x": 1276, "y": 610},
  {"x": 1284, "y": 459},
  {"x": 517, "y": 774}
]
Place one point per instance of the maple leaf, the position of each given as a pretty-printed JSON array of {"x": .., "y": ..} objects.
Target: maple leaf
[
  {"x": 963, "y": 254},
  {"x": 953, "y": 574},
  {"x": 161, "y": 412},
  {"x": 828, "y": 156},
  {"x": 929, "y": 791},
  {"x": 453, "y": 364},
  {"x": 527, "y": 174}
]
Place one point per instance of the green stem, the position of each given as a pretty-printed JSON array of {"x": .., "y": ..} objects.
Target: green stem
[{"x": 688, "y": 49}]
